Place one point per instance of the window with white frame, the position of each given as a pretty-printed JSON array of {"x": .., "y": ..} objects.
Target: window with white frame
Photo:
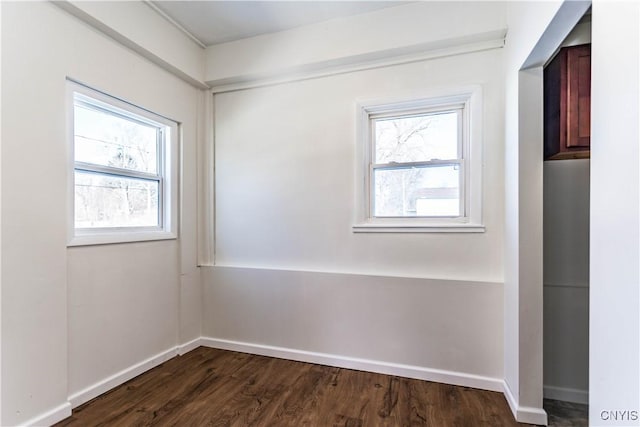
[
  {"x": 124, "y": 171},
  {"x": 421, "y": 167}
]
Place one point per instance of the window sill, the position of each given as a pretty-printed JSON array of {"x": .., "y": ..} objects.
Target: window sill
[
  {"x": 121, "y": 237},
  {"x": 419, "y": 228}
]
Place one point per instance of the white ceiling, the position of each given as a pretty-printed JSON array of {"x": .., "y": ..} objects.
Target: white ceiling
[{"x": 213, "y": 22}]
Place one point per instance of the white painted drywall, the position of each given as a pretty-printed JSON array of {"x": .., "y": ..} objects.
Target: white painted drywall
[
  {"x": 536, "y": 29},
  {"x": 361, "y": 36},
  {"x": 123, "y": 308},
  {"x": 580, "y": 34},
  {"x": 34, "y": 303},
  {"x": 430, "y": 324},
  {"x": 285, "y": 180},
  {"x": 291, "y": 273},
  {"x": 614, "y": 330},
  {"x": 526, "y": 21},
  {"x": 0, "y": 215},
  {"x": 150, "y": 32},
  {"x": 566, "y": 279},
  {"x": 566, "y": 343},
  {"x": 566, "y": 223},
  {"x": 72, "y": 317}
]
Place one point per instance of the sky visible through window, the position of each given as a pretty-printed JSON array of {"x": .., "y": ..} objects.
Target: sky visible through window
[{"x": 108, "y": 140}]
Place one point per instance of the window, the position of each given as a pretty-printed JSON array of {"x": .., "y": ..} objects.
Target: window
[
  {"x": 421, "y": 168},
  {"x": 124, "y": 171}
]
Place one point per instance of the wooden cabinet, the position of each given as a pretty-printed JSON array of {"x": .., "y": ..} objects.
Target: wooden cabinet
[{"x": 567, "y": 104}]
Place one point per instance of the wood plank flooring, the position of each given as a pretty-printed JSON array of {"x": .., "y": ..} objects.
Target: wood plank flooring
[{"x": 209, "y": 387}]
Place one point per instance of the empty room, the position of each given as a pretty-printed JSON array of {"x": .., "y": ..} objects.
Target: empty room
[{"x": 331, "y": 213}]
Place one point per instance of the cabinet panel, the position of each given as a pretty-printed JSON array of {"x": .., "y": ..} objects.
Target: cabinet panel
[
  {"x": 567, "y": 104},
  {"x": 579, "y": 96}
]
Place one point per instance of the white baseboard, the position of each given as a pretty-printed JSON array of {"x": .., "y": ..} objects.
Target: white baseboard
[
  {"x": 187, "y": 347},
  {"x": 524, "y": 414},
  {"x": 95, "y": 390},
  {"x": 408, "y": 371},
  {"x": 51, "y": 417},
  {"x": 573, "y": 395}
]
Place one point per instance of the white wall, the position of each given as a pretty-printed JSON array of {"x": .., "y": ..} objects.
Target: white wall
[
  {"x": 423, "y": 328},
  {"x": 527, "y": 21},
  {"x": 73, "y": 317},
  {"x": 291, "y": 274},
  {"x": 566, "y": 222},
  {"x": 536, "y": 29},
  {"x": 285, "y": 185},
  {"x": 136, "y": 25},
  {"x": 0, "y": 215},
  {"x": 614, "y": 330},
  {"x": 566, "y": 280}
]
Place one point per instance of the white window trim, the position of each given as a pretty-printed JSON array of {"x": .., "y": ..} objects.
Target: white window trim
[
  {"x": 471, "y": 221},
  {"x": 168, "y": 228}
]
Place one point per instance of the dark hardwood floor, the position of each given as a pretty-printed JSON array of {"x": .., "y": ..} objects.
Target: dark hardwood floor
[
  {"x": 209, "y": 387},
  {"x": 566, "y": 414}
]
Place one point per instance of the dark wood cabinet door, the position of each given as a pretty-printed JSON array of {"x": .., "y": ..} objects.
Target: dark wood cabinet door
[
  {"x": 579, "y": 97},
  {"x": 567, "y": 104}
]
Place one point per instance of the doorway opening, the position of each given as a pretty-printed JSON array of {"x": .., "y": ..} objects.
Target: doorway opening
[{"x": 566, "y": 228}]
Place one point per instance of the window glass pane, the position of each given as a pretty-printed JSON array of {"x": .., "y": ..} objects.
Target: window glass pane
[
  {"x": 419, "y": 138},
  {"x": 109, "y": 140},
  {"x": 421, "y": 191},
  {"x": 103, "y": 201}
]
